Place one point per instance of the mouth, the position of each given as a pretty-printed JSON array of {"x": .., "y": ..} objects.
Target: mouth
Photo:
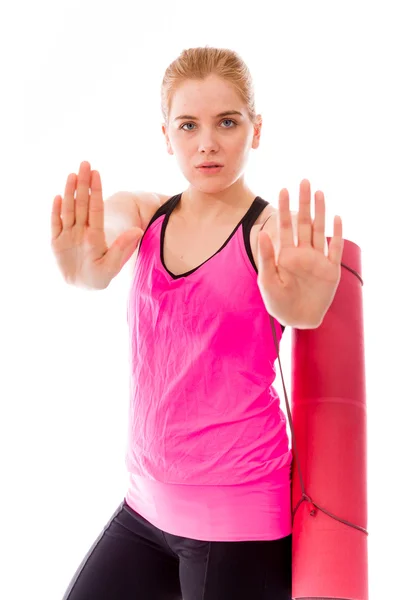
[
  {"x": 211, "y": 168},
  {"x": 209, "y": 165}
]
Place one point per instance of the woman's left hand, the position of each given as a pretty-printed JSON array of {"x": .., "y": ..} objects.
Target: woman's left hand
[{"x": 299, "y": 284}]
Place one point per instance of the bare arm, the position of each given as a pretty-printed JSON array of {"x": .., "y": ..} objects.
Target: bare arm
[
  {"x": 125, "y": 210},
  {"x": 120, "y": 214}
]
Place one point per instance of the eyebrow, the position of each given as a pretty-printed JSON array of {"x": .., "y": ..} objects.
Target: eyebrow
[{"x": 223, "y": 114}]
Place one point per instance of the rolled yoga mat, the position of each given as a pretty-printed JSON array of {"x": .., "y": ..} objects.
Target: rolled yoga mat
[{"x": 329, "y": 446}]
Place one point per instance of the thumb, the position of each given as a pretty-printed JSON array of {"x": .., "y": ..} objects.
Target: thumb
[
  {"x": 122, "y": 249},
  {"x": 266, "y": 256}
]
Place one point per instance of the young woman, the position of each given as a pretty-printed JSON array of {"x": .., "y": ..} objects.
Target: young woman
[{"x": 207, "y": 515}]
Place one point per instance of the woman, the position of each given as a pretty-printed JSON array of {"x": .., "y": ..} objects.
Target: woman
[{"x": 207, "y": 515}]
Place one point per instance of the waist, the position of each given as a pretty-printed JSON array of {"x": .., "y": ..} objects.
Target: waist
[{"x": 254, "y": 511}]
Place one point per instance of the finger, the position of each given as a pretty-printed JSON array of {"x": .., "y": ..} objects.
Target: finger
[
  {"x": 56, "y": 222},
  {"x": 68, "y": 203},
  {"x": 304, "y": 223},
  {"x": 336, "y": 244},
  {"x": 96, "y": 204},
  {"x": 285, "y": 226},
  {"x": 267, "y": 271},
  {"x": 82, "y": 194},
  {"x": 318, "y": 229}
]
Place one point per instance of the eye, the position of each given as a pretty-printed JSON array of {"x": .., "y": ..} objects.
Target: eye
[{"x": 190, "y": 123}]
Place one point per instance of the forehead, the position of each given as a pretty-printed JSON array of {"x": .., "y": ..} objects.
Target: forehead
[{"x": 203, "y": 97}]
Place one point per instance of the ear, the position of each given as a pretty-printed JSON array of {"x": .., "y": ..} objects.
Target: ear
[
  {"x": 167, "y": 140},
  {"x": 257, "y": 132}
]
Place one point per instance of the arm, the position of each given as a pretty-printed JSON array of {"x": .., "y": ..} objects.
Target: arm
[
  {"x": 120, "y": 214},
  {"x": 125, "y": 210}
]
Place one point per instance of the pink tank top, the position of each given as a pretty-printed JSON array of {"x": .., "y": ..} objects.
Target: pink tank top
[{"x": 208, "y": 453}]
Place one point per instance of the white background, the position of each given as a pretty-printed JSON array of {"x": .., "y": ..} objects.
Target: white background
[{"x": 81, "y": 81}]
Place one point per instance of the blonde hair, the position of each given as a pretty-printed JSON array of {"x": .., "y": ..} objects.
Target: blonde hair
[{"x": 199, "y": 63}]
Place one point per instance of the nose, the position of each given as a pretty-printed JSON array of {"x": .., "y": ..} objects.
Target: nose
[{"x": 208, "y": 144}]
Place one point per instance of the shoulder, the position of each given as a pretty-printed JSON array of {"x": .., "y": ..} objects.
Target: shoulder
[
  {"x": 265, "y": 214},
  {"x": 269, "y": 222},
  {"x": 147, "y": 204}
]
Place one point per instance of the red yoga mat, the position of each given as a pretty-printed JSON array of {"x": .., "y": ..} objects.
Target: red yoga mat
[{"x": 329, "y": 446}]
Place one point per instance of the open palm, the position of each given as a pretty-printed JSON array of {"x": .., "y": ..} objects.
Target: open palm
[{"x": 299, "y": 284}]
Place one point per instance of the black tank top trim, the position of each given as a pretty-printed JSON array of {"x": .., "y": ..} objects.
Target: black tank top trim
[{"x": 247, "y": 221}]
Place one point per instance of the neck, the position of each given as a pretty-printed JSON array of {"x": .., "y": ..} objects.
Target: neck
[{"x": 201, "y": 207}]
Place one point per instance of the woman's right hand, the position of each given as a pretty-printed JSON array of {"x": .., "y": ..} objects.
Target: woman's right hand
[{"x": 77, "y": 234}]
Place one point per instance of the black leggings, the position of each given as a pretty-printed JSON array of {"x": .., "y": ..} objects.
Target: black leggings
[{"x": 134, "y": 560}]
